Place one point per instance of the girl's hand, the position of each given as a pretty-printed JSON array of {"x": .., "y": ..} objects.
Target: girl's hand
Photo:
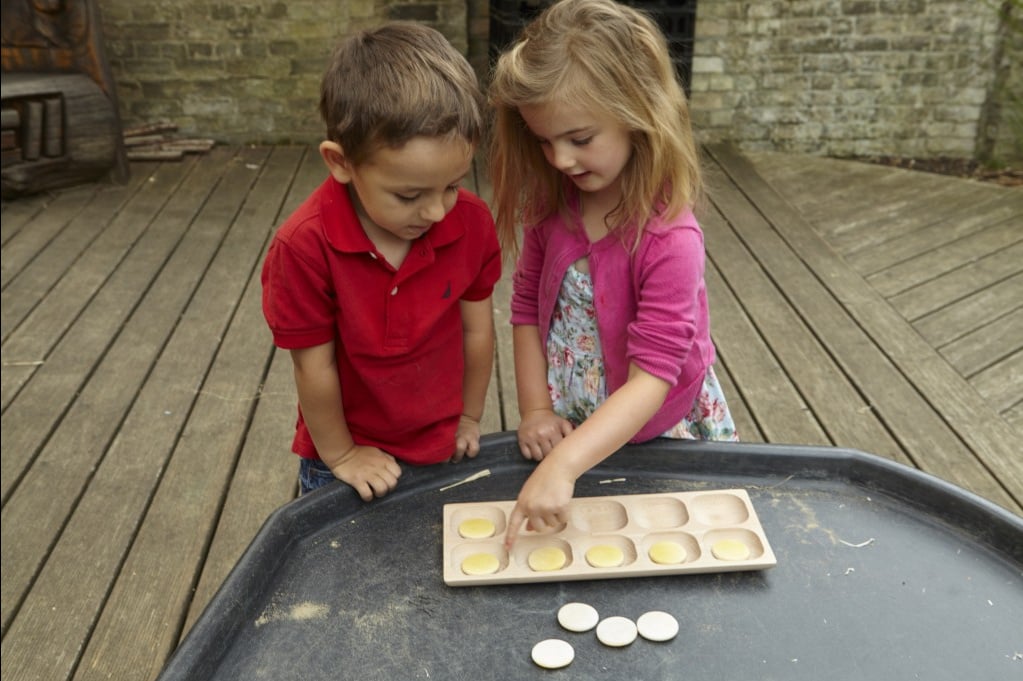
[
  {"x": 467, "y": 439},
  {"x": 543, "y": 501},
  {"x": 539, "y": 431},
  {"x": 371, "y": 471}
]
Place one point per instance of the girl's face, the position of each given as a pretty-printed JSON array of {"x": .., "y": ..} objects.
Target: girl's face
[{"x": 589, "y": 147}]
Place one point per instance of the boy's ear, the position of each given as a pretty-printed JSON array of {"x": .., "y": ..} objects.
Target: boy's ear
[{"x": 337, "y": 163}]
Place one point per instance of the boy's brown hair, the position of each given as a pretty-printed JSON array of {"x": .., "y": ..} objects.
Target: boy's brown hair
[{"x": 388, "y": 84}]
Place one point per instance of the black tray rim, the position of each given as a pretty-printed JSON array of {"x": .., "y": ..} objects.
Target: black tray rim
[{"x": 988, "y": 524}]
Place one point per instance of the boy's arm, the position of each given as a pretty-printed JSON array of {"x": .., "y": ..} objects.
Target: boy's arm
[
  {"x": 540, "y": 428},
  {"x": 371, "y": 471},
  {"x": 478, "y": 348}
]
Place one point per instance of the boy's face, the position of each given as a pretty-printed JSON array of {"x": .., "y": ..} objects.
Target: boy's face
[{"x": 400, "y": 193}]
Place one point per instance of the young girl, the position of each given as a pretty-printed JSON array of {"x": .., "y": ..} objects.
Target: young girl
[{"x": 593, "y": 153}]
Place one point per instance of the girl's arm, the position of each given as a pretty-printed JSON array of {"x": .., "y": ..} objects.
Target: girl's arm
[
  {"x": 543, "y": 500},
  {"x": 540, "y": 428},
  {"x": 371, "y": 471},
  {"x": 478, "y": 348}
]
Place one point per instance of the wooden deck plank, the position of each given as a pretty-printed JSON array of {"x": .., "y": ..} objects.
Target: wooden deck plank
[
  {"x": 504, "y": 364},
  {"x": 945, "y": 259},
  {"x": 492, "y": 420},
  {"x": 82, "y": 258},
  {"x": 1014, "y": 415},
  {"x": 212, "y": 368},
  {"x": 983, "y": 346},
  {"x": 267, "y": 472},
  {"x": 1001, "y": 384},
  {"x": 885, "y": 209},
  {"x": 49, "y": 307},
  {"x": 889, "y": 217},
  {"x": 777, "y": 409},
  {"x": 18, "y": 213},
  {"x": 839, "y": 203},
  {"x": 886, "y": 195},
  {"x": 893, "y": 379},
  {"x": 104, "y": 521},
  {"x": 944, "y": 325},
  {"x": 838, "y": 408},
  {"x": 265, "y": 479},
  {"x": 871, "y": 206},
  {"x": 503, "y": 400},
  {"x": 961, "y": 222},
  {"x": 53, "y": 385},
  {"x": 24, "y": 245},
  {"x": 959, "y": 283},
  {"x": 745, "y": 425}
]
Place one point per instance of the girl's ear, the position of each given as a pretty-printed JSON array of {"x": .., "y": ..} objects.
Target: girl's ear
[{"x": 337, "y": 163}]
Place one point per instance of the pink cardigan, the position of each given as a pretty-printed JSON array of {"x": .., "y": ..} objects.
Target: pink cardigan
[{"x": 651, "y": 306}]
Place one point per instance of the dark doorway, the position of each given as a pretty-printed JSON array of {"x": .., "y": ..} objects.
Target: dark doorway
[{"x": 677, "y": 18}]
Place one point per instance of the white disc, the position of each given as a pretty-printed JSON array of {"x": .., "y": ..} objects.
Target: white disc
[
  {"x": 553, "y": 653},
  {"x": 657, "y": 626},
  {"x": 578, "y": 616},
  {"x": 616, "y": 631}
]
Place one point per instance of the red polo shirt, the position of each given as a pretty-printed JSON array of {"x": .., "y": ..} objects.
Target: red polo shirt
[{"x": 398, "y": 333}]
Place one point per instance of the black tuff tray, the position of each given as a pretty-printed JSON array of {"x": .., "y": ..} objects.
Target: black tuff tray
[{"x": 883, "y": 572}]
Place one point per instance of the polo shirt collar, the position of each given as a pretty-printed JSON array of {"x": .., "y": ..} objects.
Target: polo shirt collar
[{"x": 344, "y": 232}]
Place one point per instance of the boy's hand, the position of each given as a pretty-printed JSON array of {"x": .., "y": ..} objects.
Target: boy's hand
[
  {"x": 371, "y": 471},
  {"x": 543, "y": 501},
  {"x": 467, "y": 439},
  {"x": 539, "y": 431}
]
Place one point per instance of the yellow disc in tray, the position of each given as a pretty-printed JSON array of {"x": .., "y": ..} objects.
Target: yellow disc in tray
[
  {"x": 667, "y": 553},
  {"x": 476, "y": 528},
  {"x": 546, "y": 559},
  {"x": 604, "y": 556},
  {"x": 729, "y": 549},
  {"x": 480, "y": 564}
]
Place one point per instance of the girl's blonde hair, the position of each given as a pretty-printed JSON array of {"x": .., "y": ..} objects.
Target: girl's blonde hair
[{"x": 612, "y": 58}]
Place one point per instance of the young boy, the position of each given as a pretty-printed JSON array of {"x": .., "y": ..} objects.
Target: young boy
[{"x": 380, "y": 283}]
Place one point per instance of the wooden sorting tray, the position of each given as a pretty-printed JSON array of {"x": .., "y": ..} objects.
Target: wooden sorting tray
[{"x": 632, "y": 523}]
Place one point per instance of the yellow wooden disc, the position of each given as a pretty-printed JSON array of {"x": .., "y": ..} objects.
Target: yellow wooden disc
[
  {"x": 604, "y": 556},
  {"x": 546, "y": 559},
  {"x": 729, "y": 549},
  {"x": 476, "y": 528},
  {"x": 667, "y": 553},
  {"x": 480, "y": 564}
]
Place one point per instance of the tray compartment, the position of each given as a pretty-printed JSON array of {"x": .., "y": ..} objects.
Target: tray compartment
[
  {"x": 683, "y": 539},
  {"x": 621, "y": 542},
  {"x": 714, "y": 509},
  {"x": 659, "y": 512}
]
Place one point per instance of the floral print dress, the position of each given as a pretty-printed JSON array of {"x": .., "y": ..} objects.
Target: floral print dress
[{"x": 575, "y": 369}]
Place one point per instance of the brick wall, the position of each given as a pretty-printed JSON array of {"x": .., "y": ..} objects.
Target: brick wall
[
  {"x": 837, "y": 77},
  {"x": 848, "y": 77},
  {"x": 244, "y": 71}
]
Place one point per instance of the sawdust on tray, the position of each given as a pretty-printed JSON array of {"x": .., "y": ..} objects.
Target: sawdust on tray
[{"x": 296, "y": 613}]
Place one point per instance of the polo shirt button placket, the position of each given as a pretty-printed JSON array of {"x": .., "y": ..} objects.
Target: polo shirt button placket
[{"x": 394, "y": 291}]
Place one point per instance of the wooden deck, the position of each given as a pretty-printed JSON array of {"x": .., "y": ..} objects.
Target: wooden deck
[{"x": 146, "y": 416}]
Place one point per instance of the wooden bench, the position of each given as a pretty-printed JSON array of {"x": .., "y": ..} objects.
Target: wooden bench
[{"x": 61, "y": 124}]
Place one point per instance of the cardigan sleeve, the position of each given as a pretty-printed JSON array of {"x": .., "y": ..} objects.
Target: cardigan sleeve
[
  {"x": 525, "y": 301},
  {"x": 671, "y": 302}
]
